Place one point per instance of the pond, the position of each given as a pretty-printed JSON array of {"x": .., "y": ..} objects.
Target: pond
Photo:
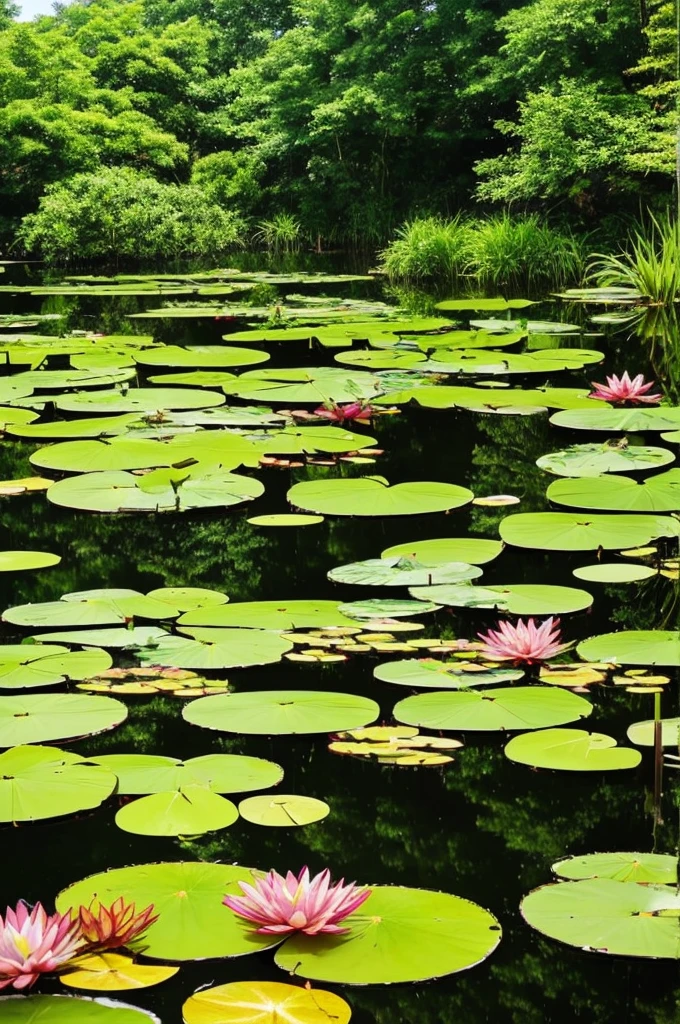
[{"x": 480, "y": 826}]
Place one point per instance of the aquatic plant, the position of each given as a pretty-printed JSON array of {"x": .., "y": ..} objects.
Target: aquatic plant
[
  {"x": 343, "y": 413},
  {"x": 280, "y": 234},
  {"x": 33, "y": 942},
  {"x": 524, "y": 643},
  {"x": 427, "y": 247},
  {"x": 114, "y": 926},
  {"x": 650, "y": 263},
  {"x": 282, "y": 905},
  {"x": 620, "y": 390},
  {"x": 509, "y": 251}
]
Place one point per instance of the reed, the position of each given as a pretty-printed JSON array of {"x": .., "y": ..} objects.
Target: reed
[{"x": 427, "y": 248}]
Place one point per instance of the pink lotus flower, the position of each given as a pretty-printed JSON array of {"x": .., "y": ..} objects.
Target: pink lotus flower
[
  {"x": 342, "y": 413},
  {"x": 525, "y": 643},
  {"x": 623, "y": 389},
  {"x": 115, "y": 926},
  {"x": 281, "y": 905},
  {"x": 34, "y": 943}
]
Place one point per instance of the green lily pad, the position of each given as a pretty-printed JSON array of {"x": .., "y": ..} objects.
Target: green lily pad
[
  {"x": 281, "y": 712},
  {"x": 118, "y": 636},
  {"x": 91, "y": 426},
  {"x": 621, "y": 867},
  {"x": 479, "y": 304},
  {"x": 453, "y": 934},
  {"x": 429, "y": 673},
  {"x": 16, "y": 417},
  {"x": 193, "y": 379},
  {"x": 311, "y": 440},
  {"x": 384, "y": 608},
  {"x": 40, "y": 718},
  {"x": 634, "y": 647},
  {"x": 211, "y": 648},
  {"x": 395, "y": 572},
  {"x": 49, "y": 380},
  {"x": 660, "y": 493},
  {"x": 614, "y": 572},
  {"x": 586, "y": 460},
  {"x": 200, "y": 356},
  {"x": 326, "y": 384},
  {"x": 91, "y": 608},
  {"x": 25, "y": 666},
  {"x": 482, "y": 361},
  {"x": 142, "y": 774},
  {"x": 571, "y": 750},
  {"x": 192, "y": 810},
  {"x": 279, "y": 615},
  {"x": 495, "y": 399},
  {"x": 138, "y": 400},
  {"x": 188, "y": 598},
  {"x": 473, "y": 550},
  {"x": 193, "y": 924},
  {"x": 573, "y": 531},
  {"x": 516, "y": 598},
  {"x": 20, "y": 561},
  {"x": 532, "y": 326},
  {"x": 126, "y": 453},
  {"x": 285, "y": 519},
  {"x": 516, "y": 707},
  {"x": 43, "y": 782},
  {"x": 283, "y": 811},
  {"x": 160, "y": 491},
  {"x": 630, "y": 421},
  {"x": 379, "y": 359},
  {"x": 373, "y": 496},
  {"x": 642, "y": 733},
  {"x": 71, "y": 1010},
  {"x": 602, "y": 915}
]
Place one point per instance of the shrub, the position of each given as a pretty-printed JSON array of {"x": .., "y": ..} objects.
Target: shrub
[
  {"x": 513, "y": 252},
  {"x": 121, "y": 212},
  {"x": 427, "y": 247}
]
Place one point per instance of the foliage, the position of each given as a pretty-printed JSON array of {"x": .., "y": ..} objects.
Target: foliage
[
  {"x": 428, "y": 247},
  {"x": 660, "y": 64},
  {"x": 280, "y": 234},
  {"x": 650, "y": 263},
  {"x": 121, "y": 212}
]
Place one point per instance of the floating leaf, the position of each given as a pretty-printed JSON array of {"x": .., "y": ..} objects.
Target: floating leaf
[
  {"x": 642, "y": 733},
  {"x": 43, "y": 782},
  {"x": 381, "y": 609},
  {"x": 310, "y": 440},
  {"x": 192, "y": 810},
  {"x": 39, "y": 718},
  {"x": 200, "y": 356},
  {"x": 581, "y": 460},
  {"x": 216, "y": 648},
  {"x": 571, "y": 531},
  {"x": 630, "y": 421},
  {"x": 283, "y": 811},
  {"x": 518, "y": 599},
  {"x": 187, "y": 896},
  {"x": 605, "y": 916},
  {"x": 278, "y": 615},
  {"x": 112, "y": 972},
  {"x": 209, "y": 448},
  {"x": 480, "y": 304},
  {"x": 91, "y": 608},
  {"x": 393, "y": 572},
  {"x": 138, "y": 400},
  {"x": 429, "y": 673},
  {"x": 264, "y": 1002},
  {"x": 188, "y": 598},
  {"x": 659, "y": 493},
  {"x": 285, "y": 519},
  {"x": 613, "y": 572},
  {"x": 474, "y": 550},
  {"x": 373, "y": 496},
  {"x": 19, "y": 561},
  {"x": 517, "y": 707},
  {"x": 633, "y": 647},
  {"x": 71, "y": 1010},
  {"x": 123, "y": 637},
  {"x": 571, "y": 750},
  {"x": 281, "y": 712},
  {"x": 24, "y": 666},
  {"x": 142, "y": 774},
  {"x": 621, "y": 867},
  {"x": 453, "y": 934}
]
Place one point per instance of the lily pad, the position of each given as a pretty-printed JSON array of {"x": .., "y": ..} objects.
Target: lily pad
[
  {"x": 429, "y": 673},
  {"x": 43, "y": 782},
  {"x": 127, "y": 453},
  {"x": 285, "y": 519},
  {"x": 91, "y": 608},
  {"x": 264, "y": 1002},
  {"x": 478, "y": 305},
  {"x": 453, "y": 934},
  {"x": 40, "y": 718},
  {"x": 200, "y": 356},
  {"x": 622, "y": 867},
  {"x": 159, "y": 491},
  {"x": 660, "y": 493},
  {"x": 118, "y": 636},
  {"x": 210, "y": 648},
  {"x": 571, "y": 750},
  {"x": 573, "y": 531},
  {"x": 25, "y": 666},
  {"x": 112, "y": 972},
  {"x": 633, "y": 647},
  {"x": 373, "y": 496},
  {"x": 588, "y": 460},
  {"x": 516, "y": 707},
  {"x": 190, "y": 811},
  {"x": 283, "y": 811},
  {"x": 20, "y": 561},
  {"x": 138, "y": 400},
  {"x": 143, "y": 774},
  {"x": 630, "y": 421},
  {"x": 71, "y": 1010},
  {"x": 187, "y": 896},
  {"x": 310, "y": 440},
  {"x": 614, "y": 572},
  {"x": 279, "y": 615},
  {"x": 384, "y": 609},
  {"x": 601, "y": 915},
  {"x": 304, "y": 386},
  {"x": 518, "y": 599},
  {"x": 281, "y": 712},
  {"x": 473, "y": 550},
  {"x": 188, "y": 598},
  {"x": 642, "y": 733},
  {"x": 395, "y": 572}
]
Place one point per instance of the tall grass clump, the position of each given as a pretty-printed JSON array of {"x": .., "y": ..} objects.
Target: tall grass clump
[
  {"x": 650, "y": 262},
  {"x": 524, "y": 252},
  {"x": 280, "y": 234},
  {"x": 427, "y": 247}
]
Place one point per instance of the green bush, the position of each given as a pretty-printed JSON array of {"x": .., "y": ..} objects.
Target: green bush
[
  {"x": 650, "y": 263},
  {"x": 124, "y": 213},
  {"x": 500, "y": 252},
  {"x": 280, "y": 234}
]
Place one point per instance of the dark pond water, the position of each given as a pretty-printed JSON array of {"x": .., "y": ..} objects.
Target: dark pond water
[{"x": 482, "y": 828}]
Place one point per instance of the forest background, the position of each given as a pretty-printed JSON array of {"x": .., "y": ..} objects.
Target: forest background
[{"x": 163, "y": 127}]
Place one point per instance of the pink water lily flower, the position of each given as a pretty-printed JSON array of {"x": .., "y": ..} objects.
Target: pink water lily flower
[
  {"x": 342, "y": 413},
  {"x": 282, "y": 905},
  {"x": 34, "y": 943},
  {"x": 115, "y": 926},
  {"x": 524, "y": 643},
  {"x": 623, "y": 389}
]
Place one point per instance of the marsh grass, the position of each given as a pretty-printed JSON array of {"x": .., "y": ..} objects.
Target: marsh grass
[
  {"x": 280, "y": 234},
  {"x": 501, "y": 252},
  {"x": 650, "y": 263}
]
